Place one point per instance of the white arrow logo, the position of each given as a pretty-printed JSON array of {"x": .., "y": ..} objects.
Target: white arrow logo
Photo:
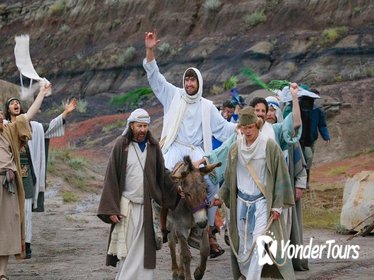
[{"x": 264, "y": 257}]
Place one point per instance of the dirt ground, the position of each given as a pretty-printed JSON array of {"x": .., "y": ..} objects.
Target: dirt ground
[{"x": 69, "y": 242}]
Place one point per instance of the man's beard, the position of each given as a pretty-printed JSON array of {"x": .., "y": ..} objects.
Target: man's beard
[{"x": 140, "y": 137}]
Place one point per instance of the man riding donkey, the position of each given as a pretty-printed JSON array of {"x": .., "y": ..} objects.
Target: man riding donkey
[{"x": 189, "y": 123}]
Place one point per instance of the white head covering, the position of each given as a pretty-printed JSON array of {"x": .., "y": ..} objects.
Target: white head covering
[
  {"x": 197, "y": 96},
  {"x": 274, "y": 102},
  {"x": 174, "y": 117},
  {"x": 138, "y": 115}
]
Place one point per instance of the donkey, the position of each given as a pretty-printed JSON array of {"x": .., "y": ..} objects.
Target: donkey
[{"x": 190, "y": 212}]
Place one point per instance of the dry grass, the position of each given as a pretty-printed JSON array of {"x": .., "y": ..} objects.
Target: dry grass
[{"x": 321, "y": 209}]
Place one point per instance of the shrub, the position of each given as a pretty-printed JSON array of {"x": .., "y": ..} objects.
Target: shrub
[
  {"x": 216, "y": 89},
  {"x": 57, "y": 8},
  {"x": 110, "y": 127},
  {"x": 69, "y": 197},
  {"x": 232, "y": 82},
  {"x": 131, "y": 98},
  {"x": 77, "y": 163},
  {"x": 339, "y": 170},
  {"x": 211, "y": 5},
  {"x": 127, "y": 56},
  {"x": 331, "y": 35},
  {"x": 165, "y": 48},
  {"x": 65, "y": 28},
  {"x": 130, "y": 54},
  {"x": 81, "y": 106},
  {"x": 255, "y": 18}
]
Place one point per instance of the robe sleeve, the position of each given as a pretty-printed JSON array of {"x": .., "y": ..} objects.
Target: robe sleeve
[
  {"x": 220, "y": 155},
  {"x": 163, "y": 90},
  {"x": 170, "y": 196},
  {"x": 283, "y": 195},
  {"x": 111, "y": 195},
  {"x": 224, "y": 192},
  {"x": 322, "y": 126},
  {"x": 285, "y": 133}
]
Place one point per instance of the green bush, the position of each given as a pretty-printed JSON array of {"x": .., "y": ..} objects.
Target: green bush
[
  {"x": 69, "y": 197},
  {"x": 131, "y": 98},
  {"x": 77, "y": 163},
  {"x": 110, "y": 127},
  {"x": 127, "y": 56},
  {"x": 81, "y": 106},
  {"x": 331, "y": 35},
  {"x": 57, "y": 8},
  {"x": 211, "y": 5},
  {"x": 165, "y": 48},
  {"x": 232, "y": 82},
  {"x": 255, "y": 18}
]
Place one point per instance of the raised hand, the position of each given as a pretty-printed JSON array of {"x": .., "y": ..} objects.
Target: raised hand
[
  {"x": 151, "y": 39},
  {"x": 45, "y": 88},
  {"x": 69, "y": 107},
  {"x": 294, "y": 88}
]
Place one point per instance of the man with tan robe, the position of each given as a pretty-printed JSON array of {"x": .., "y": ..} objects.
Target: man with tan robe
[
  {"x": 34, "y": 158},
  {"x": 12, "y": 221}
]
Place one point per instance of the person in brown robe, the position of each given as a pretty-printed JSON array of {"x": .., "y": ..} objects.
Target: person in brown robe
[{"x": 136, "y": 154}]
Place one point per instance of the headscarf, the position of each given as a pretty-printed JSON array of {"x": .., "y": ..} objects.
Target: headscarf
[
  {"x": 174, "y": 117},
  {"x": 197, "y": 96},
  {"x": 138, "y": 115},
  {"x": 274, "y": 103}
]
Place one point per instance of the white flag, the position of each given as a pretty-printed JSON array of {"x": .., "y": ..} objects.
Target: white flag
[{"x": 25, "y": 66}]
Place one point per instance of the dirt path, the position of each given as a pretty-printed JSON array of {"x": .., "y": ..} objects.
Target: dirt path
[{"x": 69, "y": 243}]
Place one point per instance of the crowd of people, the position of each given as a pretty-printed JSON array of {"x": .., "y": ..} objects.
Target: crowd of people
[{"x": 266, "y": 154}]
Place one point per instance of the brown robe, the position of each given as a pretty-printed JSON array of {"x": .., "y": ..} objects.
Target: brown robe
[
  {"x": 17, "y": 134},
  {"x": 157, "y": 185}
]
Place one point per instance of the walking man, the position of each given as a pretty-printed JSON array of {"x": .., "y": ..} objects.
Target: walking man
[
  {"x": 256, "y": 187},
  {"x": 135, "y": 176}
]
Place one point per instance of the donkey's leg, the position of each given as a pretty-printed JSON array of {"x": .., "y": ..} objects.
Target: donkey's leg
[
  {"x": 185, "y": 255},
  {"x": 173, "y": 254},
  {"x": 204, "y": 253}
]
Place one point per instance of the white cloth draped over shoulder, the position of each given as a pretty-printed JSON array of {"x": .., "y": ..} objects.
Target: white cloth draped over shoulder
[
  {"x": 189, "y": 121},
  {"x": 37, "y": 150}
]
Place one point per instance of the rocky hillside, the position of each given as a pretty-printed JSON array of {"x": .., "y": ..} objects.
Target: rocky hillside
[{"x": 94, "y": 49}]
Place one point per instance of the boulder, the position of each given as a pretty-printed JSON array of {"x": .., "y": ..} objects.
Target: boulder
[{"x": 358, "y": 200}]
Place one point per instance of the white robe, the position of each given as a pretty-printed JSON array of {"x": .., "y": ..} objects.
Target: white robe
[
  {"x": 189, "y": 140},
  {"x": 131, "y": 267}
]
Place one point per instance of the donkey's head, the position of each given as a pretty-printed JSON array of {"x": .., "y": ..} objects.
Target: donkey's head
[{"x": 194, "y": 188}]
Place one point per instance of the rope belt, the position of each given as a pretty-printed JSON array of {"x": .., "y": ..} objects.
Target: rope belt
[
  {"x": 248, "y": 254},
  {"x": 192, "y": 147},
  {"x": 248, "y": 213}
]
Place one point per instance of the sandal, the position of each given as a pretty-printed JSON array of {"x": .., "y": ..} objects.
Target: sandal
[{"x": 215, "y": 249}]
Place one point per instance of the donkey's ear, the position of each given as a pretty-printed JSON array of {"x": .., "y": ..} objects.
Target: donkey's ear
[
  {"x": 188, "y": 162},
  {"x": 208, "y": 168}
]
